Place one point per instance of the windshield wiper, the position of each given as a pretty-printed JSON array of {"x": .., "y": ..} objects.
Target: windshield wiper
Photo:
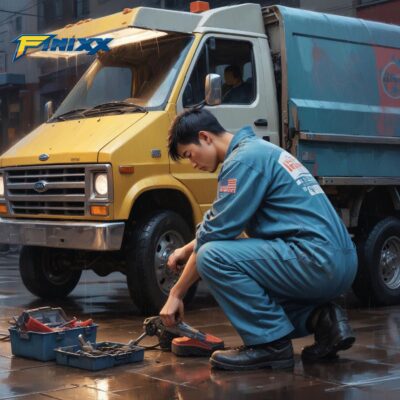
[
  {"x": 112, "y": 106},
  {"x": 72, "y": 113},
  {"x": 119, "y": 106}
]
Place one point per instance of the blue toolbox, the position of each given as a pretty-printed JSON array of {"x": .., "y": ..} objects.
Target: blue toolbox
[
  {"x": 37, "y": 332},
  {"x": 41, "y": 345},
  {"x": 102, "y": 355}
]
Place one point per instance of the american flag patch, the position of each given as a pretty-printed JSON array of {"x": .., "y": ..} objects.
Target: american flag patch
[{"x": 228, "y": 186}]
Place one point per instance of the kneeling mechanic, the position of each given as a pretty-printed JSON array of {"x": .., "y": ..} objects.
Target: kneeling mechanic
[{"x": 277, "y": 284}]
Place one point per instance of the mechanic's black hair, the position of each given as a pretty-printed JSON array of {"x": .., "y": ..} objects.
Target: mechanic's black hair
[
  {"x": 186, "y": 127},
  {"x": 235, "y": 70}
]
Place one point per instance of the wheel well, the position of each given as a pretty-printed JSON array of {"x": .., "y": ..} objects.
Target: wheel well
[
  {"x": 377, "y": 204},
  {"x": 162, "y": 199}
]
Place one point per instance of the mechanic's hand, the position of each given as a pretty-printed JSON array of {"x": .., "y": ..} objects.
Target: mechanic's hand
[
  {"x": 172, "y": 312},
  {"x": 177, "y": 259}
]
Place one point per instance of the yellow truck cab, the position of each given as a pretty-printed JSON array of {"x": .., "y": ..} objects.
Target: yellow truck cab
[{"x": 94, "y": 188}]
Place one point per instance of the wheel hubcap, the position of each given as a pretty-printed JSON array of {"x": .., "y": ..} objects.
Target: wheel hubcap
[
  {"x": 390, "y": 262},
  {"x": 56, "y": 269},
  {"x": 166, "y": 244}
]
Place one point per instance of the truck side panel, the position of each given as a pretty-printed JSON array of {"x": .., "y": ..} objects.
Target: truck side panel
[{"x": 343, "y": 83}]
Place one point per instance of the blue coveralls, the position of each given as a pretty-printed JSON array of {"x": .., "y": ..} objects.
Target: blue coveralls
[{"x": 298, "y": 254}]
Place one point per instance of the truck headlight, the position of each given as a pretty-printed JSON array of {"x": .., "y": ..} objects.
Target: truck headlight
[
  {"x": 1, "y": 186},
  {"x": 101, "y": 184}
]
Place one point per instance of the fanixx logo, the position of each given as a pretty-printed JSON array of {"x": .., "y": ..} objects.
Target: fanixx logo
[{"x": 51, "y": 43}]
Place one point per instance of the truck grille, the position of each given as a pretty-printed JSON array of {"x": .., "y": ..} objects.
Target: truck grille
[{"x": 58, "y": 190}]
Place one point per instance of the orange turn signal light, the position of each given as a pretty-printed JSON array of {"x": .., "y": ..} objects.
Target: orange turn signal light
[
  {"x": 199, "y": 6},
  {"x": 126, "y": 169},
  {"x": 101, "y": 211},
  {"x": 3, "y": 209}
]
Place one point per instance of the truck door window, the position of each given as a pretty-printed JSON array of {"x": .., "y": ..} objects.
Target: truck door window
[{"x": 231, "y": 59}]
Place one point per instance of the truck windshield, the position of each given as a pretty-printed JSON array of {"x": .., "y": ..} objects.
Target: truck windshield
[{"x": 139, "y": 73}]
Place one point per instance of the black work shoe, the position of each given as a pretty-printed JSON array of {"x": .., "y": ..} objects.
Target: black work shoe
[
  {"x": 246, "y": 357},
  {"x": 332, "y": 334}
]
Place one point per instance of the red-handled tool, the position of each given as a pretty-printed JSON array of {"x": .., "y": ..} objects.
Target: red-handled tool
[
  {"x": 33, "y": 325},
  {"x": 182, "y": 339}
]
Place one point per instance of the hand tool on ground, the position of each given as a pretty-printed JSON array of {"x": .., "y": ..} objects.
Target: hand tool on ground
[
  {"x": 153, "y": 326},
  {"x": 182, "y": 339},
  {"x": 187, "y": 347}
]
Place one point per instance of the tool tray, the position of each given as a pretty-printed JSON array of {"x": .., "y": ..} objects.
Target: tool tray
[
  {"x": 41, "y": 345},
  {"x": 119, "y": 354}
]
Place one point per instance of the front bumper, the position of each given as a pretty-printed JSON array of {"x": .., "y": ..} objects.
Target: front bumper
[{"x": 101, "y": 236}]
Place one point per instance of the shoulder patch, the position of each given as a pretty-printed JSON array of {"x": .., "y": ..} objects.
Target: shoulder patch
[
  {"x": 228, "y": 186},
  {"x": 299, "y": 173}
]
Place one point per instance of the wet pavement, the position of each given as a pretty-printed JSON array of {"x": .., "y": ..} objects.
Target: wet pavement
[{"x": 369, "y": 370}]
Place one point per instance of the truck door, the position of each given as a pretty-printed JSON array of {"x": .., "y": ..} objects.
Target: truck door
[{"x": 248, "y": 96}]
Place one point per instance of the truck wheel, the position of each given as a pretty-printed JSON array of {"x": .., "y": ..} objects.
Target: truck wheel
[
  {"x": 378, "y": 277},
  {"x": 149, "y": 279},
  {"x": 45, "y": 272}
]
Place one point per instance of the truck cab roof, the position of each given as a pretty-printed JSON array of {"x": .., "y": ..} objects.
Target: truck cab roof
[{"x": 241, "y": 18}]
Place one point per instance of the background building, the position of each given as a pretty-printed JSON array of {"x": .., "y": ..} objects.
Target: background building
[
  {"x": 26, "y": 85},
  {"x": 383, "y": 11},
  {"x": 18, "y": 81}
]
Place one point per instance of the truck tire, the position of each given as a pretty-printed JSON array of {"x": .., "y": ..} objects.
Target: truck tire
[
  {"x": 45, "y": 274},
  {"x": 152, "y": 240},
  {"x": 378, "y": 277}
]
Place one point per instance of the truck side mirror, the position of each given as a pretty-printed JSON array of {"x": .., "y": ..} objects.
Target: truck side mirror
[
  {"x": 213, "y": 91},
  {"x": 48, "y": 110}
]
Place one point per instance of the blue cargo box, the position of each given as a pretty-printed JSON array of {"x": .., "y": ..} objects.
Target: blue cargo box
[
  {"x": 40, "y": 345},
  {"x": 341, "y": 79},
  {"x": 70, "y": 356}
]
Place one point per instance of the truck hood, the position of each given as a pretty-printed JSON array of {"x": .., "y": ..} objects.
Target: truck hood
[{"x": 74, "y": 141}]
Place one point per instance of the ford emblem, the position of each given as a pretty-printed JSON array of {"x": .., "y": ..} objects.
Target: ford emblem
[
  {"x": 44, "y": 157},
  {"x": 40, "y": 186}
]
